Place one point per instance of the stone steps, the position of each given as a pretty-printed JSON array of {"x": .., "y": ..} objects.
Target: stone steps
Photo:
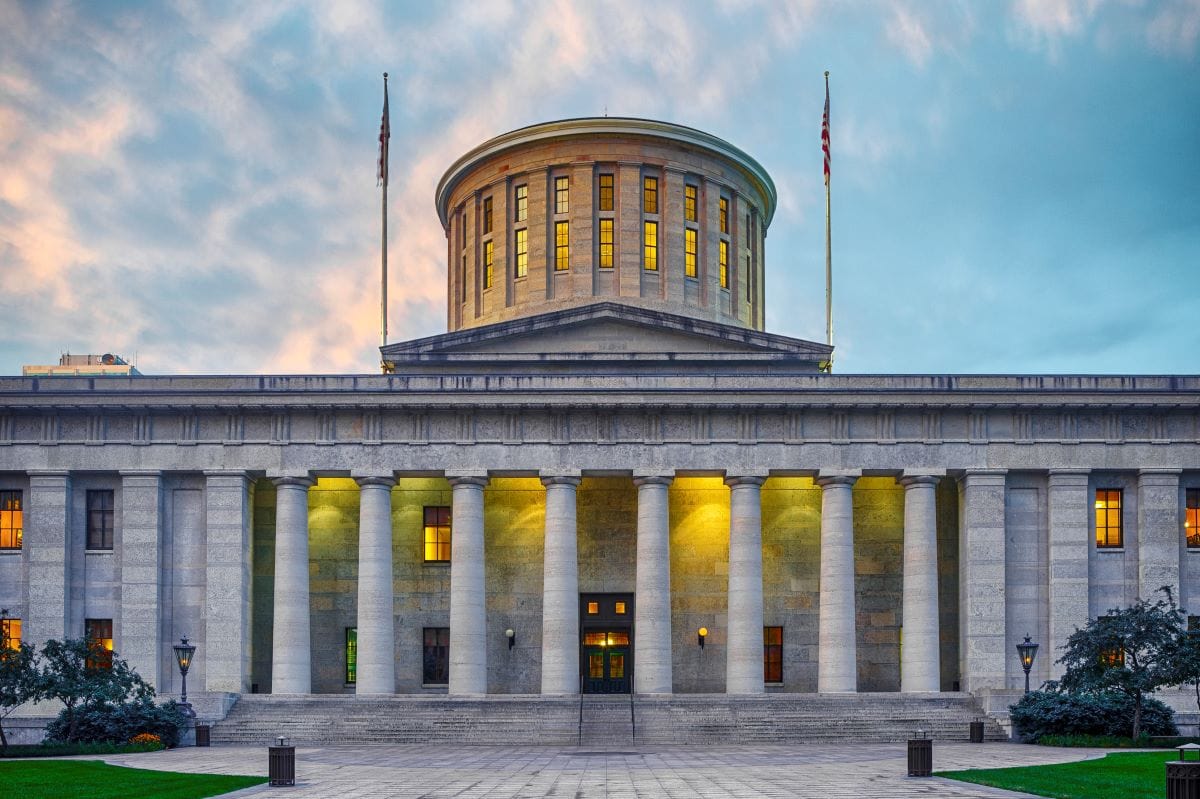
[{"x": 677, "y": 719}]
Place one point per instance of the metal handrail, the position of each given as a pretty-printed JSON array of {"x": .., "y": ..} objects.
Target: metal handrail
[{"x": 579, "y": 738}]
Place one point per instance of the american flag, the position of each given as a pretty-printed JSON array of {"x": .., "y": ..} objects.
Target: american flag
[
  {"x": 385, "y": 133},
  {"x": 825, "y": 132}
]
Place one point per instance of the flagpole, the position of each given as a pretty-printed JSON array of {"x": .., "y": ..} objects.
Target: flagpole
[
  {"x": 385, "y": 134},
  {"x": 828, "y": 242}
]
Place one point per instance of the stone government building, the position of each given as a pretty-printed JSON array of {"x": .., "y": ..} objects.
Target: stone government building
[{"x": 606, "y": 454}]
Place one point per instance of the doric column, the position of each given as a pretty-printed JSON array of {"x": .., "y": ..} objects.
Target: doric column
[
  {"x": 468, "y": 635},
  {"x": 744, "y": 655},
  {"x": 48, "y": 549},
  {"x": 837, "y": 655},
  {"x": 1070, "y": 510},
  {"x": 376, "y": 624},
  {"x": 560, "y": 589},
  {"x": 291, "y": 650},
  {"x": 1158, "y": 532},
  {"x": 652, "y": 611},
  {"x": 227, "y": 593},
  {"x": 983, "y": 656},
  {"x": 141, "y": 556},
  {"x": 920, "y": 663}
]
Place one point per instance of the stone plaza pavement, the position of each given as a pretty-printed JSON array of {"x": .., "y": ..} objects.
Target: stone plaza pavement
[{"x": 823, "y": 771}]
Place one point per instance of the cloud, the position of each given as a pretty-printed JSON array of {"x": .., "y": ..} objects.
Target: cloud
[{"x": 906, "y": 32}]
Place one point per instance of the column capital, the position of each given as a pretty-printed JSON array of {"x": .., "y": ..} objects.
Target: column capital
[
  {"x": 984, "y": 476},
  {"x": 1069, "y": 477},
  {"x": 375, "y": 480},
  {"x": 745, "y": 480},
  {"x": 913, "y": 480},
  {"x": 48, "y": 474},
  {"x": 561, "y": 480},
  {"x": 302, "y": 481},
  {"x": 231, "y": 473},
  {"x": 140, "y": 473},
  {"x": 640, "y": 480},
  {"x": 1164, "y": 476},
  {"x": 835, "y": 477},
  {"x": 456, "y": 478}
]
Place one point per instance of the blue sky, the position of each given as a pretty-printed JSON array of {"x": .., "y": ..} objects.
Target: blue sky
[{"x": 1015, "y": 184}]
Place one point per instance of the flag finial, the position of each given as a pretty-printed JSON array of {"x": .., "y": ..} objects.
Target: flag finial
[{"x": 826, "y": 74}]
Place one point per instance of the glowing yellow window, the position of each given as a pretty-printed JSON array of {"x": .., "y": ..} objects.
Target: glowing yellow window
[
  {"x": 620, "y": 608},
  {"x": 723, "y": 215},
  {"x": 593, "y": 608},
  {"x": 723, "y": 263},
  {"x": 650, "y": 195},
  {"x": 562, "y": 246},
  {"x": 11, "y": 520},
  {"x": 437, "y": 534},
  {"x": 606, "y": 243},
  {"x": 1108, "y": 517},
  {"x": 650, "y": 260},
  {"x": 489, "y": 259},
  {"x": 689, "y": 252},
  {"x": 1191, "y": 524},
  {"x": 10, "y": 633},
  {"x": 689, "y": 203}
]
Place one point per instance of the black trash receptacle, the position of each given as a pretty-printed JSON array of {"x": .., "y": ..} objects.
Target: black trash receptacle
[
  {"x": 281, "y": 764},
  {"x": 203, "y": 734},
  {"x": 920, "y": 757},
  {"x": 977, "y": 731},
  {"x": 1183, "y": 776}
]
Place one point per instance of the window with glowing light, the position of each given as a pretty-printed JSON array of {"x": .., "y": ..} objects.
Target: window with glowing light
[
  {"x": 650, "y": 246},
  {"x": 521, "y": 204},
  {"x": 522, "y": 252},
  {"x": 487, "y": 215},
  {"x": 1114, "y": 656},
  {"x": 12, "y": 520},
  {"x": 593, "y": 608},
  {"x": 689, "y": 252},
  {"x": 723, "y": 263},
  {"x": 100, "y": 519},
  {"x": 351, "y": 655},
  {"x": 650, "y": 195},
  {"x": 689, "y": 203},
  {"x": 99, "y": 635},
  {"x": 772, "y": 654},
  {"x": 606, "y": 244},
  {"x": 561, "y": 195},
  {"x": 435, "y": 656},
  {"x": 1191, "y": 522},
  {"x": 437, "y": 534},
  {"x": 10, "y": 633},
  {"x": 1108, "y": 518},
  {"x": 489, "y": 261},
  {"x": 723, "y": 215},
  {"x": 605, "y": 199},
  {"x": 562, "y": 246}
]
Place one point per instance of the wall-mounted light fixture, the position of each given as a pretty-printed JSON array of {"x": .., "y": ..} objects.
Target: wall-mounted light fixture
[
  {"x": 701, "y": 634},
  {"x": 511, "y": 636}
]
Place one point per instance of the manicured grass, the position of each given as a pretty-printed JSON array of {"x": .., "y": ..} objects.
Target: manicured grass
[
  {"x": 90, "y": 779},
  {"x": 1129, "y": 775}
]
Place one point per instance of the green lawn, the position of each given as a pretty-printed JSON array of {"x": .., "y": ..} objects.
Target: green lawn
[
  {"x": 91, "y": 779},
  {"x": 1129, "y": 775}
]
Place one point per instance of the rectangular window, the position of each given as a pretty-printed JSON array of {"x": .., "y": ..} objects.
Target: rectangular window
[
  {"x": 98, "y": 633},
  {"x": 650, "y": 195},
  {"x": 12, "y": 520},
  {"x": 489, "y": 255},
  {"x": 723, "y": 263},
  {"x": 1108, "y": 517},
  {"x": 606, "y": 243},
  {"x": 606, "y": 193},
  {"x": 436, "y": 656},
  {"x": 619, "y": 608},
  {"x": 689, "y": 252},
  {"x": 1113, "y": 656},
  {"x": 522, "y": 252},
  {"x": 351, "y": 655},
  {"x": 723, "y": 216},
  {"x": 437, "y": 534},
  {"x": 522, "y": 204},
  {"x": 100, "y": 519},
  {"x": 593, "y": 608},
  {"x": 772, "y": 654},
  {"x": 562, "y": 246},
  {"x": 561, "y": 196},
  {"x": 689, "y": 203},
  {"x": 747, "y": 231},
  {"x": 1191, "y": 523},
  {"x": 10, "y": 634},
  {"x": 487, "y": 215},
  {"x": 464, "y": 277},
  {"x": 749, "y": 289},
  {"x": 650, "y": 240}
]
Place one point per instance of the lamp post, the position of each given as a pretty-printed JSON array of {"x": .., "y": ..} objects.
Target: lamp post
[
  {"x": 1027, "y": 651},
  {"x": 183, "y": 656}
]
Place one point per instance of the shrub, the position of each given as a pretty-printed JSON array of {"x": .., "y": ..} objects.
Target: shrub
[
  {"x": 109, "y": 723},
  {"x": 1041, "y": 713},
  {"x": 147, "y": 739}
]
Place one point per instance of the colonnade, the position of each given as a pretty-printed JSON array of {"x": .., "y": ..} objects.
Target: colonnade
[{"x": 837, "y": 657}]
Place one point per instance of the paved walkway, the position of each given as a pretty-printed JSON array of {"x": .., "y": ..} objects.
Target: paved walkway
[{"x": 822, "y": 771}]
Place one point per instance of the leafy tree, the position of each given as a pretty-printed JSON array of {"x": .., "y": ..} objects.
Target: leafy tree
[
  {"x": 20, "y": 682},
  {"x": 83, "y": 675},
  {"x": 1133, "y": 651}
]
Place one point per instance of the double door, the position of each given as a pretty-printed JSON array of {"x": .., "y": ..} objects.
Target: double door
[{"x": 606, "y": 643}]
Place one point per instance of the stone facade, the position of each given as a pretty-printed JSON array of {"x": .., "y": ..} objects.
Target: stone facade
[{"x": 904, "y": 531}]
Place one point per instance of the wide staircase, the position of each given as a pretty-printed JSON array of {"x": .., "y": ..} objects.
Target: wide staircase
[{"x": 600, "y": 721}]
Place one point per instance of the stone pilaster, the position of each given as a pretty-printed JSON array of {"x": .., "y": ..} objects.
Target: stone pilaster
[
  {"x": 981, "y": 579},
  {"x": 227, "y": 617},
  {"x": 376, "y": 619},
  {"x": 1158, "y": 532},
  {"x": 837, "y": 654},
  {"x": 744, "y": 655},
  {"x": 141, "y": 560},
  {"x": 468, "y": 634},
  {"x": 920, "y": 654},
  {"x": 291, "y": 645},
  {"x": 1070, "y": 510},
  {"x": 560, "y": 589},
  {"x": 652, "y": 611},
  {"x": 48, "y": 548}
]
